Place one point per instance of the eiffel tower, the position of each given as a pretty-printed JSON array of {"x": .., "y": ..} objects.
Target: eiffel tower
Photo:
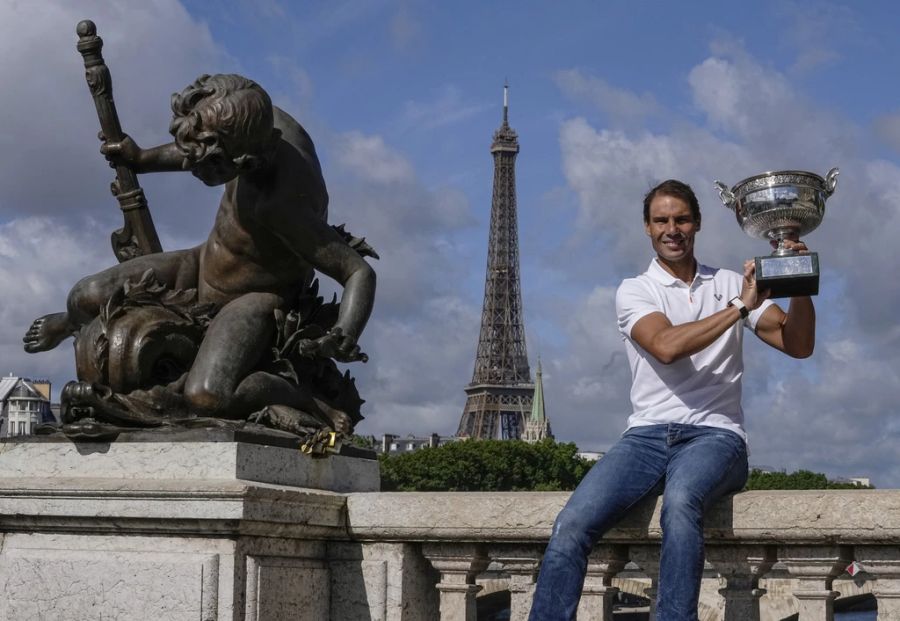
[{"x": 501, "y": 393}]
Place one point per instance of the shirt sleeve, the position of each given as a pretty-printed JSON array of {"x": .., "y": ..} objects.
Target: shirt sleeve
[
  {"x": 633, "y": 302},
  {"x": 753, "y": 317}
]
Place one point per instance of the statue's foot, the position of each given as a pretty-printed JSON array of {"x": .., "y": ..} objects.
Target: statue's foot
[
  {"x": 77, "y": 400},
  {"x": 47, "y": 332},
  {"x": 340, "y": 422}
]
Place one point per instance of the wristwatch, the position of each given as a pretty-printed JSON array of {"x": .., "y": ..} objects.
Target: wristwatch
[{"x": 738, "y": 303}]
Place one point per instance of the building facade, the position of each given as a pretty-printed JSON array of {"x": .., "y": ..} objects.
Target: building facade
[{"x": 24, "y": 404}]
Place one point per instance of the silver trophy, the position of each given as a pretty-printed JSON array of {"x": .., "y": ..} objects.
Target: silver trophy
[{"x": 777, "y": 206}]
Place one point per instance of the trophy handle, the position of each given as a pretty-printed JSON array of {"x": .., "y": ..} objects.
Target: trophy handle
[
  {"x": 831, "y": 181},
  {"x": 726, "y": 195}
]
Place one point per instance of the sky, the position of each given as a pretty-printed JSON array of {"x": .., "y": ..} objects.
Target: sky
[{"x": 402, "y": 98}]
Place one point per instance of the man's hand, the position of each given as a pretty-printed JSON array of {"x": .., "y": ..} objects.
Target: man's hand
[
  {"x": 792, "y": 244},
  {"x": 751, "y": 296},
  {"x": 125, "y": 152}
]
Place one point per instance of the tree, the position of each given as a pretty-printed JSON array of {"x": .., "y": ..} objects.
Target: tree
[
  {"x": 485, "y": 465},
  {"x": 801, "y": 479}
]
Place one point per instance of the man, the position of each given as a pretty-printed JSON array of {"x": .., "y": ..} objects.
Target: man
[
  {"x": 269, "y": 235},
  {"x": 681, "y": 322}
]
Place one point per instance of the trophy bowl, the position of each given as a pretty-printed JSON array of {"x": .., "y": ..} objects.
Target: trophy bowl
[
  {"x": 782, "y": 205},
  {"x": 775, "y": 205}
]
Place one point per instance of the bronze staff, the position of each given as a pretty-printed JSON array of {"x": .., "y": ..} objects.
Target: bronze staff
[{"x": 138, "y": 235}]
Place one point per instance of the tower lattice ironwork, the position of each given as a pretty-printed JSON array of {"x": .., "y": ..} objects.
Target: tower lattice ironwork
[{"x": 501, "y": 392}]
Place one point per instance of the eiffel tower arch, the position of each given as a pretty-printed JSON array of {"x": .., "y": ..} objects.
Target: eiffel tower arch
[{"x": 499, "y": 397}]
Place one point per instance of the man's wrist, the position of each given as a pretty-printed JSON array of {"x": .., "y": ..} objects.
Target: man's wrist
[{"x": 738, "y": 303}]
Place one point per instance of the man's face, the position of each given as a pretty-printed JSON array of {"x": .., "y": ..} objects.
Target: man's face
[{"x": 671, "y": 229}]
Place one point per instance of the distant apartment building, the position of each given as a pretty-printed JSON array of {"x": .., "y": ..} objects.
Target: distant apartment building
[
  {"x": 393, "y": 444},
  {"x": 24, "y": 404}
]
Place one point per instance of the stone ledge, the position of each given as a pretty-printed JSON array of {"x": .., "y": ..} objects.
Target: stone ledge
[
  {"x": 192, "y": 506},
  {"x": 187, "y": 460},
  {"x": 814, "y": 516}
]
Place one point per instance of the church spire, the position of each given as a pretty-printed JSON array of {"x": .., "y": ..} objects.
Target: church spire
[
  {"x": 538, "y": 427},
  {"x": 537, "y": 404}
]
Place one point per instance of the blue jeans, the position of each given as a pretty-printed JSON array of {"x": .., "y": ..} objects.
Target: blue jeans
[{"x": 693, "y": 466}]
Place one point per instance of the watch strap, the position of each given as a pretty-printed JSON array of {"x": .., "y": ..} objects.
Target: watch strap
[{"x": 738, "y": 303}]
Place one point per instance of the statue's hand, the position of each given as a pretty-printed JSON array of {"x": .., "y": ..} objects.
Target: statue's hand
[
  {"x": 340, "y": 346},
  {"x": 125, "y": 152}
]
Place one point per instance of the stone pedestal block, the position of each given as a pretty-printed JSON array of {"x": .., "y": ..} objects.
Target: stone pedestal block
[
  {"x": 153, "y": 530},
  {"x": 199, "y": 459}
]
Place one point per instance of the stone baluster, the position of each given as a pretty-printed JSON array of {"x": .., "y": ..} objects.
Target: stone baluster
[
  {"x": 522, "y": 563},
  {"x": 598, "y": 596},
  {"x": 458, "y": 564},
  {"x": 814, "y": 568},
  {"x": 647, "y": 558},
  {"x": 741, "y": 567},
  {"x": 883, "y": 564}
]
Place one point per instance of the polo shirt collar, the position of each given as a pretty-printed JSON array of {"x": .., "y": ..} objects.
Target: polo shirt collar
[{"x": 658, "y": 273}]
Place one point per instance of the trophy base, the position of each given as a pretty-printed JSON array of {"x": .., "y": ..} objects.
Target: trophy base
[{"x": 788, "y": 277}]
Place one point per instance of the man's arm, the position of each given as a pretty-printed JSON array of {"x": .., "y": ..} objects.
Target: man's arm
[
  {"x": 668, "y": 343},
  {"x": 793, "y": 332}
]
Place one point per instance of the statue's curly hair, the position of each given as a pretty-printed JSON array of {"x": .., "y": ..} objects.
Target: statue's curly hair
[{"x": 224, "y": 115}]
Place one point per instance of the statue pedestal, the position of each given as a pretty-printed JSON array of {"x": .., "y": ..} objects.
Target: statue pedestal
[{"x": 207, "y": 530}]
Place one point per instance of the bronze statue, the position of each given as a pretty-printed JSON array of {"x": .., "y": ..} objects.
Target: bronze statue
[{"x": 232, "y": 330}]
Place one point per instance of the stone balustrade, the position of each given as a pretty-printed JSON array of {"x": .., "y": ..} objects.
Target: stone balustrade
[
  {"x": 812, "y": 536},
  {"x": 233, "y": 531}
]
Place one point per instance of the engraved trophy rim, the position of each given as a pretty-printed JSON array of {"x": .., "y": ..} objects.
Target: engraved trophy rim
[{"x": 774, "y": 173}]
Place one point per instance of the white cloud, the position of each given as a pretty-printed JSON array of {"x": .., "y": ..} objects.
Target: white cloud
[
  {"x": 40, "y": 259},
  {"x": 406, "y": 384},
  {"x": 622, "y": 106},
  {"x": 370, "y": 158},
  {"x": 448, "y": 106},
  {"x": 887, "y": 128},
  {"x": 50, "y": 129}
]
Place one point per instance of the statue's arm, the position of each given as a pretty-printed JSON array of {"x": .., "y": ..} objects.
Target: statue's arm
[
  {"x": 321, "y": 246},
  {"x": 126, "y": 152}
]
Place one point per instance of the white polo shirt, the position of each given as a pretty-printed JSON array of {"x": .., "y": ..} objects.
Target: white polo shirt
[{"x": 703, "y": 389}]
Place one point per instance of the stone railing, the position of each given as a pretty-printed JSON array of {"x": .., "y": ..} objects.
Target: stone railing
[
  {"x": 812, "y": 536},
  {"x": 228, "y": 530}
]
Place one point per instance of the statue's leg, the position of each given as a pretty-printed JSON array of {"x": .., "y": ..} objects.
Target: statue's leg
[
  {"x": 175, "y": 269},
  {"x": 222, "y": 383}
]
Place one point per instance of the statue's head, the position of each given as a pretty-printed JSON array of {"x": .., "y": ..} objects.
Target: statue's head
[{"x": 223, "y": 125}]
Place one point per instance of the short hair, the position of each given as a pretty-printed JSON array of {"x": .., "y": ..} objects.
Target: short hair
[
  {"x": 675, "y": 189},
  {"x": 226, "y": 115}
]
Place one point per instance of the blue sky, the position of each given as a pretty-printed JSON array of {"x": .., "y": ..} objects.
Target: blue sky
[{"x": 402, "y": 98}]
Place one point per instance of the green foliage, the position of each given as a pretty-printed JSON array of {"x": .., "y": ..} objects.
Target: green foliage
[
  {"x": 802, "y": 479},
  {"x": 362, "y": 441},
  {"x": 485, "y": 465}
]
